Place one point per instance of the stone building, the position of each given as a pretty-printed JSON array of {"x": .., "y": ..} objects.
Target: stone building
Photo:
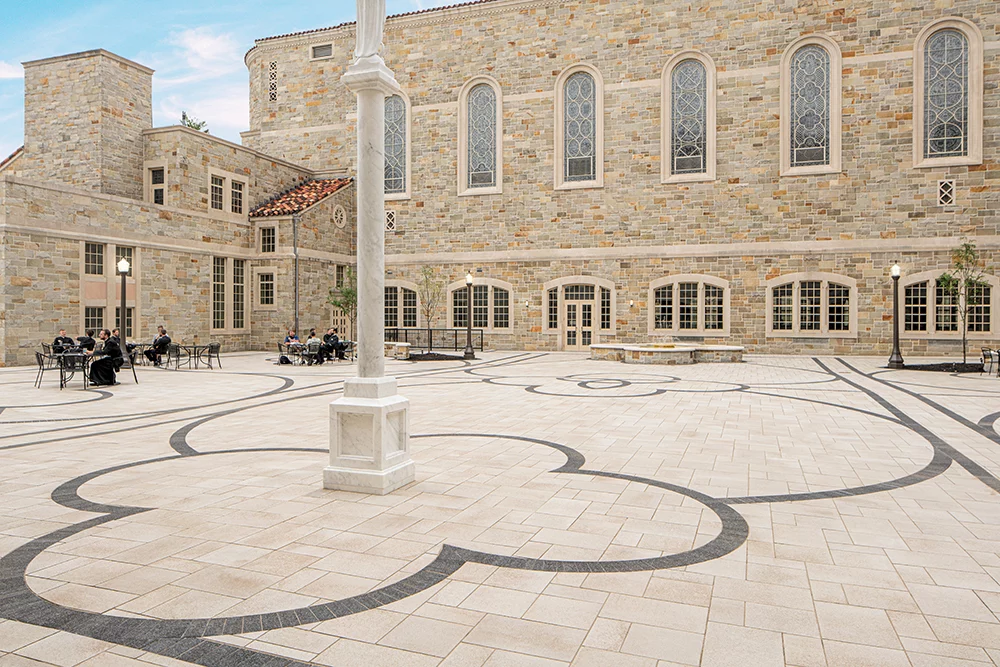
[{"x": 624, "y": 171}]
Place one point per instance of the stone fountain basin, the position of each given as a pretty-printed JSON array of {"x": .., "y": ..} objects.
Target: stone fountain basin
[{"x": 666, "y": 354}]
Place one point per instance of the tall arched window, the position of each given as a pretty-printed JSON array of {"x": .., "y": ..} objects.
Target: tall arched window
[
  {"x": 397, "y": 147},
  {"x": 579, "y": 128},
  {"x": 688, "y": 94},
  {"x": 812, "y": 305},
  {"x": 932, "y": 311},
  {"x": 948, "y": 118},
  {"x": 480, "y": 160},
  {"x": 491, "y": 304},
  {"x": 810, "y": 107}
]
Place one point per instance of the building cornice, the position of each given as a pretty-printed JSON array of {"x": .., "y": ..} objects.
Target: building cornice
[{"x": 87, "y": 54}]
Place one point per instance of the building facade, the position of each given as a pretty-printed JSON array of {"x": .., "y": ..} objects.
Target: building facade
[{"x": 623, "y": 171}]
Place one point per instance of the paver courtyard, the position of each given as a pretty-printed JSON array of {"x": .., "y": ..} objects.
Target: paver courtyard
[{"x": 783, "y": 511}]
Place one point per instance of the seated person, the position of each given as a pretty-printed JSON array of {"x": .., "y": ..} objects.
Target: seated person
[
  {"x": 102, "y": 371},
  {"x": 160, "y": 343},
  {"x": 62, "y": 342},
  {"x": 315, "y": 346},
  {"x": 332, "y": 343},
  {"x": 292, "y": 338},
  {"x": 87, "y": 342}
]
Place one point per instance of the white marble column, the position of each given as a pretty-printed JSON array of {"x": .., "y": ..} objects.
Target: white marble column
[{"x": 369, "y": 430}]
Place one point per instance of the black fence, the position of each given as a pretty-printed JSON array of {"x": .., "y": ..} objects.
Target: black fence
[{"x": 435, "y": 339}]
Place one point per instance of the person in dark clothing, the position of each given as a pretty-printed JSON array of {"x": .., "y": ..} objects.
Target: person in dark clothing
[
  {"x": 62, "y": 342},
  {"x": 87, "y": 342},
  {"x": 332, "y": 344},
  {"x": 102, "y": 371},
  {"x": 159, "y": 348}
]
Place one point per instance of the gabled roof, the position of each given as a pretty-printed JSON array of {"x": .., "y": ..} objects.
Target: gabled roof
[
  {"x": 10, "y": 158},
  {"x": 300, "y": 197},
  {"x": 394, "y": 16}
]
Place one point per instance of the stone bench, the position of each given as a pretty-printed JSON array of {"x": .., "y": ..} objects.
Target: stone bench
[
  {"x": 397, "y": 350},
  {"x": 667, "y": 355}
]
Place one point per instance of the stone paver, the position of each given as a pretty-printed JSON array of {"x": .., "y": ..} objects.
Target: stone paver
[{"x": 784, "y": 511}]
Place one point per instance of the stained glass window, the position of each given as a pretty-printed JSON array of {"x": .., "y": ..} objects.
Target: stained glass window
[
  {"x": 395, "y": 145},
  {"x": 688, "y": 111},
  {"x": 580, "y": 123},
  {"x": 946, "y": 94},
  {"x": 482, "y": 137},
  {"x": 810, "y": 112}
]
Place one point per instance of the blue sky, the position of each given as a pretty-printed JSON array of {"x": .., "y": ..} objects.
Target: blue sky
[{"x": 196, "y": 48}]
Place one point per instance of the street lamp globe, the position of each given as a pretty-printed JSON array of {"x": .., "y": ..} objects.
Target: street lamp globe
[
  {"x": 896, "y": 271},
  {"x": 468, "y": 278},
  {"x": 123, "y": 265}
]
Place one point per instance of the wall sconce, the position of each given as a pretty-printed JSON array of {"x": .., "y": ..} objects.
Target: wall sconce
[
  {"x": 631, "y": 303},
  {"x": 526, "y": 304}
]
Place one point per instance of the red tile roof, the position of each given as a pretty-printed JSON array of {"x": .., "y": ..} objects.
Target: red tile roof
[
  {"x": 10, "y": 158},
  {"x": 394, "y": 16},
  {"x": 300, "y": 197}
]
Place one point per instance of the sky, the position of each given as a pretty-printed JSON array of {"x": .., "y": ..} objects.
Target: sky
[{"x": 196, "y": 48}]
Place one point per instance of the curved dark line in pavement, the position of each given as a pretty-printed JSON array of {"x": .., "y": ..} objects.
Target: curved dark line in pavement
[
  {"x": 989, "y": 420},
  {"x": 973, "y": 468},
  {"x": 102, "y": 395}
]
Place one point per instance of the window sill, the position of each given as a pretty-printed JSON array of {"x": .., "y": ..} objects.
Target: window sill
[
  {"x": 265, "y": 308},
  {"x": 398, "y": 196},
  {"x": 941, "y": 335},
  {"x": 688, "y": 178},
  {"x": 690, "y": 333},
  {"x": 580, "y": 185},
  {"x": 944, "y": 162},
  {"x": 819, "y": 170},
  {"x": 471, "y": 192}
]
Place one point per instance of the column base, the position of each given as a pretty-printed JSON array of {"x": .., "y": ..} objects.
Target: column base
[{"x": 369, "y": 439}]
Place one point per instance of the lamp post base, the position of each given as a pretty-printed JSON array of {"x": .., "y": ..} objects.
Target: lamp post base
[
  {"x": 896, "y": 363},
  {"x": 469, "y": 354}
]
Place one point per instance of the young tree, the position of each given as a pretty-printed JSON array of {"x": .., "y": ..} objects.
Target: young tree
[
  {"x": 964, "y": 284},
  {"x": 431, "y": 295},
  {"x": 194, "y": 123},
  {"x": 345, "y": 297}
]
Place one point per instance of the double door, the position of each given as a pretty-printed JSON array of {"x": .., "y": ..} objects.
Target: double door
[{"x": 579, "y": 328}]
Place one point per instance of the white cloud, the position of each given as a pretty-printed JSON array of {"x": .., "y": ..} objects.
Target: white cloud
[
  {"x": 8, "y": 71},
  {"x": 198, "y": 54},
  {"x": 225, "y": 108}
]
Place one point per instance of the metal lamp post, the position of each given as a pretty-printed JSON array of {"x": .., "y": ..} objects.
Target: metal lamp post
[
  {"x": 895, "y": 359},
  {"x": 123, "y": 268},
  {"x": 469, "y": 352}
]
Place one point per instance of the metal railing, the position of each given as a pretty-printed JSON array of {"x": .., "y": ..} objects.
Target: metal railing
[{"x": 435, "y": 339}]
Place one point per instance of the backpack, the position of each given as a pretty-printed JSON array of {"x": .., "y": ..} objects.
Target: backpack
[{"x": 284, "y": 360}]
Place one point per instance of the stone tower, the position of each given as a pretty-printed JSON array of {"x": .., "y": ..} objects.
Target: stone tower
[{"x": 84, "y": 115}]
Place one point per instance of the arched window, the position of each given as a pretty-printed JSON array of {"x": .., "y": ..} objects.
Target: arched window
[
  {"x": 810, "y": 107},
  {"x": 491, "y": 303},
  {"x": 688, "y": 133},
  {"x": 932, "y": 311},
  {"x": 812, "y": 305},
  {"x": 689, "y": 305},
  {"x": 948, "y": 104},
  {"x": 579, "y": 128},
  {"x": 401, "y": 305},
  {"x": 480, "y": 160},
  {"x": 397, "y": 147}
]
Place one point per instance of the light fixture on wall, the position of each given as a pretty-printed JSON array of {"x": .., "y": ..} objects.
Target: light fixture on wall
[
  {"x": 631, "y": 303},
  {"x": 527, "y": 305}
]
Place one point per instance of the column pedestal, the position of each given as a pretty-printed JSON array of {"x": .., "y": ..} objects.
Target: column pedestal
[{"x": 369, "y": 443}]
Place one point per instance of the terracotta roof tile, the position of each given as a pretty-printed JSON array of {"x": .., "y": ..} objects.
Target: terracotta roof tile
[
  {"x": 11, "y": 157},
  {"x": 394, "y": 16},
  {"x": 300, "y": 197}
]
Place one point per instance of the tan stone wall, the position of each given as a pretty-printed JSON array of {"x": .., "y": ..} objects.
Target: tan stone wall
[
  {"x": 191, "y": 156},
  {"x": 83, "y": 120}
]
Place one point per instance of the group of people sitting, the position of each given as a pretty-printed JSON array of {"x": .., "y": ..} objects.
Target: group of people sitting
[
  {"x": 111, "y": 359},
  {"x": 161, "y": 342},
  {"x": 329, "y": 347}
]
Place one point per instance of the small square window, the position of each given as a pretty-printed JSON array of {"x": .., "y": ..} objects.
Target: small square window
[
  {"x": 93, "y": 318},
  {"x": 946, "y": 193},
  {"x": 93, "y": 259},
  {"x": 322, "y": 51}
]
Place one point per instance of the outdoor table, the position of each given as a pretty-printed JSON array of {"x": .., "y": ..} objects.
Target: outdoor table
[
  {"x": 72, "y": 362},
  {"x": 196, "y": 352}
]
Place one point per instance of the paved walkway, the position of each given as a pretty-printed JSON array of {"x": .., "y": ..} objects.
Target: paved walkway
[{"x": 785, "y": 511}]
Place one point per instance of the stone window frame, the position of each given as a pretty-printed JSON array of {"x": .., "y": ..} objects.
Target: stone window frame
[
  {"x": 147, "y": 194},
  {"x": 975, "y": 127},
  {"x": 405, "y": 284},
  {"x": 312, "y": 51},
  {"x": 463, "y": 137},
  {"x": 227, "y": 177},
  {"x": 227, "y": 292},
  {"x": 259, "y": 233},
  {"x": 832, "y": 48},
  {"x": 599, "y": 284},
  {"x": 931, "y": 333},
  {"x": 558, "y": 167},
  {"x": 702, "y": 279},
  {"x": 406, "y": 193},
  {"x": 806, "y": 276},
  {"x": 254, "y": 287},
  {"x": 666, "y": 135},
  {"x": 492, "y": 283}
]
